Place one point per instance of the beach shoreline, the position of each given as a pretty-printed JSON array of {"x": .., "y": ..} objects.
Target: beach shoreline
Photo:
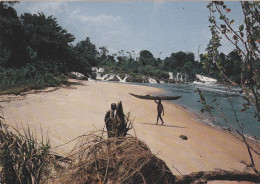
[
  {"x": 66, "y": 113},
  {"x": 204, "y": 118}
]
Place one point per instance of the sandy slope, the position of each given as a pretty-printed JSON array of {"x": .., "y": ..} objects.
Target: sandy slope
[{"x": 69, "y": 112}]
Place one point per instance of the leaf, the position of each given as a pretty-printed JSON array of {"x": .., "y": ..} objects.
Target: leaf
[
  {"x": 209, "y": 107},
  {"x": 241, "y": 27},
  {"x": 243, "y": 110},
  {"x": 245, "y": 105},
  {"x": 223, "y": 26},
  {"x": 211, "y": 20},
  {"x": 229, "y": 31},
  {"x": 222, "y": 17}
]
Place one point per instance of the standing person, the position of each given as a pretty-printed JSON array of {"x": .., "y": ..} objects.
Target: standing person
[
  {"x": 110, "y": 121},
  {"x": 160, "y": 110}
]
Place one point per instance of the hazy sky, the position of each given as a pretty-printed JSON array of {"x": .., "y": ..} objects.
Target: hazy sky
[{"x": 157, "y": 26}]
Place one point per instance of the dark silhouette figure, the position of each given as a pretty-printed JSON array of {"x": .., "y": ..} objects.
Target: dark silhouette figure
[
  {"x": 160, "y": 110},
  {"x": 110, "y": 120},
  {"x": 116, "y": 122}
]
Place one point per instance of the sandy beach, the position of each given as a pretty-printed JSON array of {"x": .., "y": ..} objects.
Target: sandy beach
[{"x": 68, "y": 112}]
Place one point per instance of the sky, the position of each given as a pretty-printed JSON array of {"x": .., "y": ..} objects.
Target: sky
[{"x": 162, "y": 27}]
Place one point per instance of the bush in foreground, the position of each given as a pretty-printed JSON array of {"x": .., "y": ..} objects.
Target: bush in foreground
[
  {"x": 114, "y": 160},
  {"x": 23, "y": 159}
]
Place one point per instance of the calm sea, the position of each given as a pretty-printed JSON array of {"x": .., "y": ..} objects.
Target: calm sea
[{"x": 190, "y": 100}]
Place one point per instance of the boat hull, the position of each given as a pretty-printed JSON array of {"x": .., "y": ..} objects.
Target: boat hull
[{"x": 148, "y": 97}]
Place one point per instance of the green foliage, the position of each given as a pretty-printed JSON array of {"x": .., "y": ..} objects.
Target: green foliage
[
  {"x": 240, "y": 68},
  {"x": 133, "y": 68},
  {"x": 104, "y": 51},
  {"x": 146, "y": 58},
  {"x": 146, "y": 54},
  {"x": 33, "y": 76},
  {"x": 23, "y": 159},
  {"x": 205, "y": 107},
  {"x": 12, "y": 45},
  {"x": 87, "y": 52},
  {"x": 36, "y": 37},
  {"x": 179, "y": 62},
  {"x": 232, "y": 66},
  {"x": 44, "y": 37},
  {"x": 36, "y": 52},
  {"x": 30, "y": 38},
  {"x": 182, "y": 62}
]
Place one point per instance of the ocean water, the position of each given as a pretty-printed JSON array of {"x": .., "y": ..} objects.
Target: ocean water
[{"x": 190, "y": 100}]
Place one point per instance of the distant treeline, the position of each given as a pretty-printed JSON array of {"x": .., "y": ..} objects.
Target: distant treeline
[
  {"x": 35, "y": 52},
  {"x": 180, "y": 62}
]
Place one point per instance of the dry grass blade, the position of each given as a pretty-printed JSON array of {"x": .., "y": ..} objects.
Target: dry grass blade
[
  {"x": 115, "y": 160},
  {"x": 22, "y": 158}
]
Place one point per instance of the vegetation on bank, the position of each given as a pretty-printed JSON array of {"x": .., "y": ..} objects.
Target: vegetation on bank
[
  {"x": 180, "y": 62},
  {"x": 32, "y": 76},
  {"x": 36, "y": 52}
]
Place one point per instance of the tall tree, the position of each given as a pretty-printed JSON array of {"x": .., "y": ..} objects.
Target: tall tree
[
  {"x": 146, "y": 58},
  {"x": 87, "y": 51},
  {"x": 12, "y": 45},
  {"x": 46, "y": 37},
  {"x": 231, "y": 66},
  {"x": 104, "y": 52}
]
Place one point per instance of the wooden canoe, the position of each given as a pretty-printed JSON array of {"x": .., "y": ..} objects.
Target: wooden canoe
[{"x": 148, "y": 97}]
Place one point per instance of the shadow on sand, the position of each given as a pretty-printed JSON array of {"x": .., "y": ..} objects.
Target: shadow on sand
[
  {"x": 163, "y": 125},
  {"x": 76, "y": 83}
]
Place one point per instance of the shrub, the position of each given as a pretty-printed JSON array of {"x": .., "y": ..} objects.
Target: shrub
[
  {"x": 33, "y": 76},
  {"x": 22, "y": 158}
]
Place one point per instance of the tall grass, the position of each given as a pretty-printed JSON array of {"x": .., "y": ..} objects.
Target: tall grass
[
  {"x": 33, "y": 76},
  {"x": 23, "y": 159}
]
